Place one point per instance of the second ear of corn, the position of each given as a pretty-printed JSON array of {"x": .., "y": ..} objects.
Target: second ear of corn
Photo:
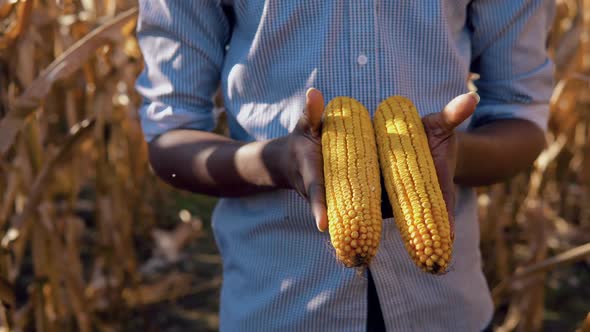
[
  {"x": 352, "y": 181},
  {"x": 412, "y": 184}
]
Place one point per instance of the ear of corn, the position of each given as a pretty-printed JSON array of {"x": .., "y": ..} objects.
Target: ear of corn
[
  {"x": 352, "y": 181},
  {"x": 412, "y": 184}
]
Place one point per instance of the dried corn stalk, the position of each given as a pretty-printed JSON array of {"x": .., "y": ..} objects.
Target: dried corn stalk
[
  {"x": 75, "y": 189},
  {"x": 544, "y": 213}
]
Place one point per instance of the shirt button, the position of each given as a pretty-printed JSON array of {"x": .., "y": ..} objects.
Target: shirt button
[{"x": 362, "y": 60}]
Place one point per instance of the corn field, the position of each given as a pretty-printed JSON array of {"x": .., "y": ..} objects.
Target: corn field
[{"x": 90, "y": 240}]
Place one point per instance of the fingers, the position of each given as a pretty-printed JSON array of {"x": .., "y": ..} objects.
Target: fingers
[
  {"x": 313, "y": 181},
  {"x": 458, "y": 110},
  {"x": 317, "y": 199},
  {"x": 448, "y": 191},
  {"x": 314, "y": 109},
  {"x": 308, "y": 157}
]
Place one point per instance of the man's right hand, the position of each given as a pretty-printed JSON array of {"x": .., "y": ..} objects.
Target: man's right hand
[{"x": 301, "y": 157}]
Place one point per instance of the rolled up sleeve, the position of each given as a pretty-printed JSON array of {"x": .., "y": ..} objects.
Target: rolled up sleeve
[
  {"x": 509, "y": 53},
  {"x": 183, "y": 45}
]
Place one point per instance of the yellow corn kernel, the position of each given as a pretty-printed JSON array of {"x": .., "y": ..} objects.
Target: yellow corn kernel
[
  {"x": 352, "y": 181},
  {"x": 412, "y": 184}
]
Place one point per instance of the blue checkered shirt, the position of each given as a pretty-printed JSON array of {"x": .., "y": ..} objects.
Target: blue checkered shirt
[{"x": 279, "y": 272}]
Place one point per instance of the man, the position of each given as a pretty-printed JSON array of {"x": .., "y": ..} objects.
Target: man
[{"x": 280, "y": 273}]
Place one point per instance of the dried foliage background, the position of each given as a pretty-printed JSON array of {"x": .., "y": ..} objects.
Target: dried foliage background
[{"x": 90, "y": 240}]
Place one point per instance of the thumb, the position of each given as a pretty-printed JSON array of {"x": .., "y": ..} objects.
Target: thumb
[
  {"x": 458, "y": 110},
  {"x": 314, "y": 108}
]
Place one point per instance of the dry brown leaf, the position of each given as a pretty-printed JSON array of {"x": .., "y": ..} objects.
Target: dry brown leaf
[
  {"x": 170, "y": 287},
  {"x": 67, "y": 63},
  {"x": 568, "y": 257},
  {"x": 17, "y": 23},
  {"x": 19, "y": 223}
]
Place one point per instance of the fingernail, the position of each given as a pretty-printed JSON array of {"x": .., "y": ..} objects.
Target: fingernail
[
  {"x": 317, "y": 224},
  {"x": 475, "y": 96},
  {"x": 309, "y": 91}
]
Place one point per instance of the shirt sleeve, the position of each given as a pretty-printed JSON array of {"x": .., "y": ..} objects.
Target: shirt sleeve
[
  {"x": 183, "y": 45},
  {"x": 509, "y": 53}
]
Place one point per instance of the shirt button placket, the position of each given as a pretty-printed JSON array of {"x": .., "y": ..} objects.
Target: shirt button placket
[{"x": 362, "y": 44}]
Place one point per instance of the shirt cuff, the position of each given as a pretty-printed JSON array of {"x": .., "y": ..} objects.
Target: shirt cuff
[
  {"x": 537, "y": 114},
  {"x": 157, "y": 118}
]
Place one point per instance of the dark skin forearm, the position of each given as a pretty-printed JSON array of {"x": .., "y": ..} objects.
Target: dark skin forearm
[
  {"x": 496, "y": 151},
  {"x": 211, "y": 164}
]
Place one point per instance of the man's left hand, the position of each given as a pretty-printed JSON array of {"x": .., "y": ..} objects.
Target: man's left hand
[{"x": 444, "y": 144}]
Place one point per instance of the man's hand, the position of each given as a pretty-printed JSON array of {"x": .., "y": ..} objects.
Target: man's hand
[
  {"x": 443, "y": 142},
  {"x": 302, "y": 161},
  {"x": 444, "y": 147}
]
